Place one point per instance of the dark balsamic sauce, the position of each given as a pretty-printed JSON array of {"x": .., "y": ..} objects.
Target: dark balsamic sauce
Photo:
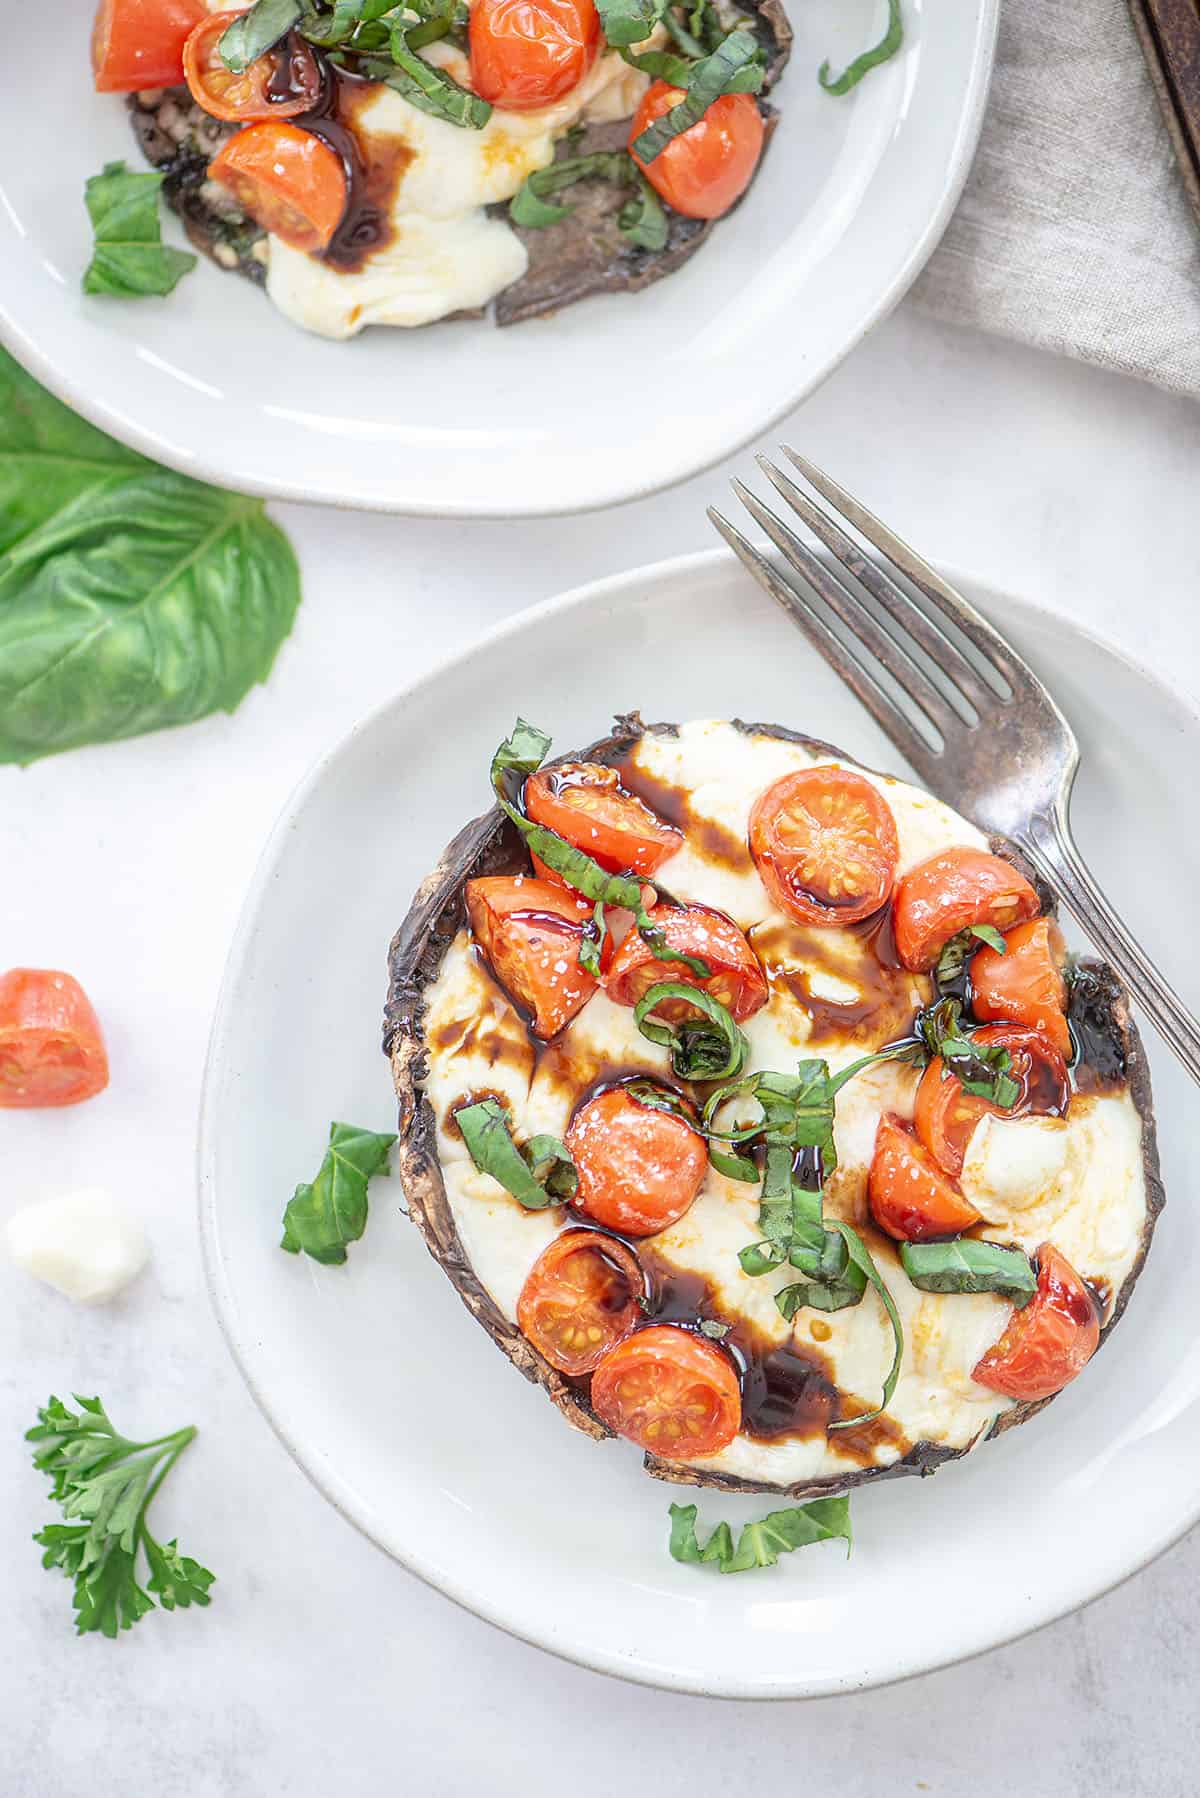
[
  {"x": 366, "y": 223},
  {"x": 674, "y": 806},
  {"x": 791, "y": 955},
  {"x": 1100, "y": 1065}
]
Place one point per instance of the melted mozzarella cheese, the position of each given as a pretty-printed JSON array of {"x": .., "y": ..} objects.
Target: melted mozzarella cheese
[
  {"x": 82, "y": 1243},
  {"x": 1013, "y": 1163}
]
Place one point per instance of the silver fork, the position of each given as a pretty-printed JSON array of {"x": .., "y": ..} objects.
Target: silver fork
[{"x": 984, "y": 735}]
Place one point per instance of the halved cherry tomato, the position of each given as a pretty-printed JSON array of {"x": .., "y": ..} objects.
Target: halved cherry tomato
[
  {"x": 909, "y": 1195},
  {"x": 580, "y": 1299},
  {"x": 1024, "y": 984},
  {"x": 587, "y": 805},
  {"x": 673, "y": 1393},
  {"x": 528, "y": 53},
  {"x": 946, "y": 1116},
  {"x": 944, "y": 894},
  {"x": 706, "y": 168},
  {"x": 287, "y": 179},
  {"x": 825, "y": 845},
  {"x": 530, "y": 932},
  {"x": 639, "y": 1168},
  {"x": 51, "y": 1049},
  {"x": 1049, "y": 1340},
  {"x": 250, "y": 95},
  {"x": 736, "y": 980},
  {"x": 139, "y": 43}
]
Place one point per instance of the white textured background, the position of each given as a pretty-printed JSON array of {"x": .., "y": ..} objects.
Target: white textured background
[{"x": 321, "y": 1668}]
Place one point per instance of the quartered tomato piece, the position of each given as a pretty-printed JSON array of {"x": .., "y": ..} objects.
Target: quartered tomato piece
[
  {"x": 285, "y": 81},
  {"x": 1025, "y": 984},
  {"x": 586, "y": 804},
  {"x": 706, "y": 168},
  {"x": 530, "y": 932},
  {"x": 639, "y": 1168},
  {"x": 825, "y": 845},
  {"x": 946, "y": 1116},
  {"x": 909, "y": 1195},
  {"x": 51, "y": 1049},
  {"x": 581, "y": 1298},
  {"x": 1049, "y": 1340},
  {"x": 673, "y": 1393},
  {"x": 287, "y": 179},
  {"x": 139, "y": 43},
  {"x": 528, "y": 53},
  {"x": 736, "y": 980},
  {"x": 957, "y": 887}
]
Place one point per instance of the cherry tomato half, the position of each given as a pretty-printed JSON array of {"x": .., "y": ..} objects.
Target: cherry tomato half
[
  {"x": 587, "y": 805},
  {"x": 528, "y": 53},
  {"x": 673, "y": 1393},
  {"x": 249, "y": 95},
  {"x": 530, "y": 932},
  {"x": 909, "y": 1195},
  {"x": 1049, "y": 1340},
  {"x": 825, "y": 845},
  {"x": 139, "y": 43},
  {"x": 944, "y": 894},
  {"x": 736, "y": 981},
  {"x": 51, "y": 1049},
  {"x": 580, "y": 1300},
  {"x": 946, "y": 1116},
  {"x": 287, "y": 179},
  {"x": 639, "y": 1167},
  {"x": 706, "y": 168},
  {"x": 1025, "y": 984}
]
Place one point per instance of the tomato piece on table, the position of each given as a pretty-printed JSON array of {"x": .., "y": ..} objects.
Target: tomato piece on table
[
  {"x": 138, "y": 44},
  {"x": 586, "y": 804},
  {"x": 51, "y": 1047},
  {"x": 825, "y": 845},
  {"x": 736, "y": 981},
  {"x": 909, "y": 1194},
  {"x": 287, "y": 179},
  {"x": 1025, "y": 984},
  {"x": 530, "y": 932},
  {"x": 639, "y": 1167},
  {"x": 257, "y": 92},
  {"x": 580, "y": 1300},
  {"x": 948, "y": 891},
  {"x": 946, "y": 1116},
  {"x": 1049, "y": 1340},
  {"x": 673, "y": 1393},
  {"x": 705, "y": 169},
  {"x": 529, "y": 53}
]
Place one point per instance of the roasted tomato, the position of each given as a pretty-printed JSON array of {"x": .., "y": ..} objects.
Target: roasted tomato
[
  {"x": 580, "y": 1299},
  {"x": 1025, "y": 984},
  {"x": 825, "y": 845},
  {"x": 287, "y": 179},
  {"x": 946, "y": 1116},
  {"x": 909, "y": 1195},
  {"x": 1049, "y": 1340},
  {"x": 528, "y": 53},
  {"x": 139, "y": 43},
  {"x": 639, "y": 1167},
  {"x": 284, "y": 82},
  {"x": 1036, "y": 1066},
  {"x": 705, "y": 169},
  {"x": 530, "y": 932},
  {"x": 736, "y": 980},
  {"x": 944, "y": 894},
  {"x": 673, "y": 1393},
  {"x": 587, "y": 805},
  {"x": 51, "y": 1049}
]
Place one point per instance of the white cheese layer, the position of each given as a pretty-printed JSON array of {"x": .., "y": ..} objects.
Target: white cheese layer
[{"x": 82, "y": 1243}]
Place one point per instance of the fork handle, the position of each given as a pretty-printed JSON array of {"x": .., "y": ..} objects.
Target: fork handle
[{"x": 1050, "y": 847}]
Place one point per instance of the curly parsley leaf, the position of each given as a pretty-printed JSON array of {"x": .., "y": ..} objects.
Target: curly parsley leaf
[
  {"x": 883, "y": 51},
  {"x": 735, "y": 67},
  {"x": 323, "y": 1217},
  {"x": 540, "y": 1174},
  {"x": 129, "y": 258},
  {"x": 763, "y": 1541}
]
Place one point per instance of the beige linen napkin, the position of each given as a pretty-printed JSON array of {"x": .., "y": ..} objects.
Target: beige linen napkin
[{"x": 1074, "y": 232}]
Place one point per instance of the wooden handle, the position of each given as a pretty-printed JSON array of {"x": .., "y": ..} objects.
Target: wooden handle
[{"x": 1170, "y": 36}]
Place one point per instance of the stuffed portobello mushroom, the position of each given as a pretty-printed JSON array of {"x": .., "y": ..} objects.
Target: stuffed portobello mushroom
[{"x": 752, "y": 1105}]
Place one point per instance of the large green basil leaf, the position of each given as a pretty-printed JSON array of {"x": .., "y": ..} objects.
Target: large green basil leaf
[
  {"x": 322, "y": 1217},
  {"x": 129, "y": 258}
]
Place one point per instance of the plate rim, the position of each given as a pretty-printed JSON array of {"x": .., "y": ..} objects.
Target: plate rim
[{"x": 645, "y": 576}]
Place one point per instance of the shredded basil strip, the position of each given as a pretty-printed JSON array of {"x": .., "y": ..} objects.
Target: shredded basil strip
[
  {"x": 540, "y": 1175},
  {"x": 660, "y": 1098},
  {"x": 862, "y": 65},
  {"x": 710, "y": 1047},
  {"x": 257, "y": 31},
  {"x": 981, "y": 1068},
  {"x": 432, "y": 89},
  {"x": 591, "y": 949},
  {"x": 960, "y": 948},
  {"x": 663, "y": 65},
  {"x": 969, "y": 1266},
  {"x": 735, "y": 67},
  {"x": 763, "y": 1541},
  {"x": 861, "y": 1258},
  {"x": 629, "y": 21},
  {"x": 642, "y": 219}
]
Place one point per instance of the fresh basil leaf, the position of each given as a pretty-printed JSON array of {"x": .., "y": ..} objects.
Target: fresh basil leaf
[
  {"x": 322, "y": 1218},
  {"x": 735, "y": 67},
  {"x": 661, "y": 65},
  {"x": 255, "y": 32},
  {"x": 660, "y": 1098},
  {"x": 129, "y": 257},
  {"x": 981, "y": 1068},
  {"x": 709, "y": 1047},
  {"x": 762, "y": 1541},
  {"x": 329, "y": 28},
  {"x": 883, "y": 51},
  {"x": 861, "y": 1258},
  {"x": 530, "y": 204},
  {"x": 629, "y": 21},
  {"x": 591, "y": 949},
  {"x": 969, "y": 1266},
  {"x": 642, "y": 220},
  {"x": 959, "y": 950},
  {"x": 987, "y": 933},
  {"x": 432, "y": 89},
  {"x": 551, "y": 1166},
  {"x": 823, "y": 1295},
  {"x": 131, "y": 598},
  {"x": 543, "y": 1174}
]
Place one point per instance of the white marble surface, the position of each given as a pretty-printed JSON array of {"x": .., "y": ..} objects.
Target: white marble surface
[{"x": 321, "y": 1667}]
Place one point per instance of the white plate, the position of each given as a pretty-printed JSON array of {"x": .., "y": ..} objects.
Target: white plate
[
  {"x": 461, "y": 419},
  {"x": 397, "y": 1404}
]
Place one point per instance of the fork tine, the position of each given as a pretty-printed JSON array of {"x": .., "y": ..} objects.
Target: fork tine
[{"x": 830, "y": 647}]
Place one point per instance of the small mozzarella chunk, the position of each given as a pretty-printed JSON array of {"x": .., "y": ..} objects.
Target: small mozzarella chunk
[
  {"x": 1013, "y": 1163},
  {"x": 82, "y": 1243}
]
